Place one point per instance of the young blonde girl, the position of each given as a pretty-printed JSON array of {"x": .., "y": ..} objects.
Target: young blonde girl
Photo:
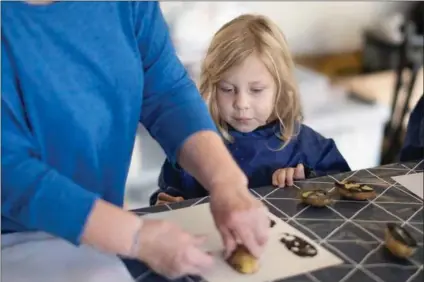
[{"x": 247, "y": 80}]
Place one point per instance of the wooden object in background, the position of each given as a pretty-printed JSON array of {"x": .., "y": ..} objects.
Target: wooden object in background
[
  {"x": 333, "y": 65},
  {"x": 378, "y": 87}
]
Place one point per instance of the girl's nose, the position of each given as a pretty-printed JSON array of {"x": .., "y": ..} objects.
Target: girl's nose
[{"x": 241, "y": 102}]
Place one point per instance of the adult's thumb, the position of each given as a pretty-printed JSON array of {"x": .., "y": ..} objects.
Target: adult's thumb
[{"x": 200, "y": 239}]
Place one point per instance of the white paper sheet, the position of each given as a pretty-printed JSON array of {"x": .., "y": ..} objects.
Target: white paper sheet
[
  {"x": 412, "y": 182},
  {"x": 277, "y": 262}
]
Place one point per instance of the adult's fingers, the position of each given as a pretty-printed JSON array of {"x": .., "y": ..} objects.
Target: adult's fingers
[
  {"x": 199, "y": 240},
  {"x": 248, "y": 239},
  {"x": 229, "y": 240},
  {"x": 194, "y": 261},
  {"x": 198, "y": 262},
  {"x": 194, "y": 269},
  {"x": 199, "y": 259},
  {"x": 299, "y": 172},
  {"x": 262, "y": 231},
  {"x": 254, "y": 234},
  {"x": 289, "y": 176}
]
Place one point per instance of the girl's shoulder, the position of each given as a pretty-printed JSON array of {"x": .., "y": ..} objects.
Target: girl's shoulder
[{"x": 306, "y": 132}]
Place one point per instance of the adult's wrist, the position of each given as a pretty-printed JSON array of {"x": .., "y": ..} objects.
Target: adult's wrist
[
  {"x": 111, "y": 229},
  {"x": 231, "y": 179},
  {"x": 134, "y": 252},
  {"x": 215, "y": 171}
]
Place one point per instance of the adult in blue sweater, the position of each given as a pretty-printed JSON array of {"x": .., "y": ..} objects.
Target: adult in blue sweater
[
  {"x": 413, "y": 147},
  {"x": 77, "y": 78},
  {"x": 247, "y": 79}
]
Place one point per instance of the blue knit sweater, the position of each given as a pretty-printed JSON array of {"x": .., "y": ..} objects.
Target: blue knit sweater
[{"x": 77, "y": 78}]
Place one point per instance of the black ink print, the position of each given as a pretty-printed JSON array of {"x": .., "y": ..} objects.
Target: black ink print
[
  {"x": 399, "y": 241},
  {"x": 298, "y": 246},
  {"x": 401, "y": 235},
  {"x": 271, "y": 223}
]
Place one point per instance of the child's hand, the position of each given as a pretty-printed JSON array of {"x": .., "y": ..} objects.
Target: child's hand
[
  {"x": 164, "y": 198},
  {"x": 284, "y": 176}
]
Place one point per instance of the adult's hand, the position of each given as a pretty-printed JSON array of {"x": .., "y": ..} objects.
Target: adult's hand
[
  {"x": 170, "y": 251},
  {"x": 240, "y": 218}
]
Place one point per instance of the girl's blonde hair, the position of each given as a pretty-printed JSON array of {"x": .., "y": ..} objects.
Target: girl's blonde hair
[{"x": 230, "y": 46}]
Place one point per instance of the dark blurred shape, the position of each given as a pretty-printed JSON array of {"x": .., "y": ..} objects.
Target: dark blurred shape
[
  {"x": 417, "y": 17},
  {"x": 413, "y": 146},
  {"x": 410, "y": 59},
  {"x": 380, "y": 54}
]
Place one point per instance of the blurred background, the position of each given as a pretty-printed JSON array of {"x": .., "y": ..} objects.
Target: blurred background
[{"x": 359, "y": 67}]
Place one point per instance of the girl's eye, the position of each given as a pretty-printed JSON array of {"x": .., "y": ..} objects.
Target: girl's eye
[
  {"x": 256, "y": 90},
  {"x": 226, "y": 90}
]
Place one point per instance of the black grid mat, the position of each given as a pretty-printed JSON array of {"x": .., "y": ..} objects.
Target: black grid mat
[{"x": 354, "y": 231}]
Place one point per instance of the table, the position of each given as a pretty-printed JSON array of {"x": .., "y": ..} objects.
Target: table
[{"x": 353, "y": 230}]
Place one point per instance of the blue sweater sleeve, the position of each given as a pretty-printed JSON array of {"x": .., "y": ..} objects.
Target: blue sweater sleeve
[
  {"x": 170, "y": 181},
  {"x": 34, "y": 194},
  {"x": 322, "y": 155},
  {"x": 172, "y": 106},
  {"x": 175, "y": 181}
]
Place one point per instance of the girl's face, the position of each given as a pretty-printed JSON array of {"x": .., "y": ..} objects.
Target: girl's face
[{"x": 246, "y": 95}]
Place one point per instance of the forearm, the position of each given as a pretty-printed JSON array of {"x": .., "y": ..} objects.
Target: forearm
[
  {"x": 38, "y": 197},
  {"x": 110, "y": 228},
  {"x": 206, "y": 158}
]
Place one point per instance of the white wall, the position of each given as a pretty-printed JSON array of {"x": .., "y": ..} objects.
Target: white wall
[{"x": 320, "y": 27}]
